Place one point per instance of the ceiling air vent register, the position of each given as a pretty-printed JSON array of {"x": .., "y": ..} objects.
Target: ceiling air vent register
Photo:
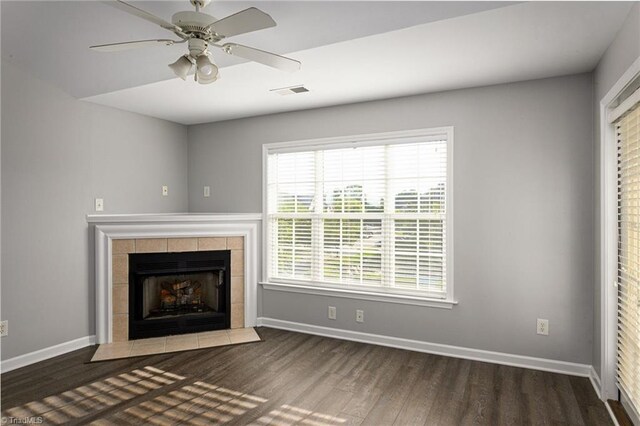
[{"x": 284, "y": 91}]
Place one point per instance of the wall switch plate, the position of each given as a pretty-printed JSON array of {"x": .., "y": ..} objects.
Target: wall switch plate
[
  {"x": 332, "y": 312},
  {"x": 4, "y": 328},
  {"x": 543, "y": 327},
  {"x": 207, "y": 191},
  {"x": 359, "y": 315},
  {"x": 99, "y": 204},
  {"x": 165, "y": 190}
]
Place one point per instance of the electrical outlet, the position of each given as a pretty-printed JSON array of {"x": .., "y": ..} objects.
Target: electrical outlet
[
  {"x": 359, "y": 315},
  {"x": 332, "y": 312},
  {"x": 4, "y": 328},
  {"x": 543, "y": 327},
  {"x": 99, "y": 204},
  {"x": 165, "y": 190},
  {"x": 207, "y": 191}
]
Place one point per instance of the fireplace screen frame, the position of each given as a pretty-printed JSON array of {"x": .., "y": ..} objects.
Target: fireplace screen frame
[{"x": 145, "y": 265}]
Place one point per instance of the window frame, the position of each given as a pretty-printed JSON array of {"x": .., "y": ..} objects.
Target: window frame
[
  {"x": 373, "y": 293},
  {"x": 609, "y": 234}
]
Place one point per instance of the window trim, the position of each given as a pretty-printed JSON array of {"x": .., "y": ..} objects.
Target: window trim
[
  {"x": 609, "y": 234},
  {"x": 369, "y": 139}
]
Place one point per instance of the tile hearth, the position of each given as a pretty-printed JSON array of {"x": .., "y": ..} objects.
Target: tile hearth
[{"x": 177, "y": 343}]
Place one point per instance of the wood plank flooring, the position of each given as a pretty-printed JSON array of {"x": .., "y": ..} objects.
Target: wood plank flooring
[{"x": 294, "y": 378}]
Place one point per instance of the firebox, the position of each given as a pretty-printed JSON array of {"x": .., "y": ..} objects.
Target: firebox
[{"x": 177, "y": 293}]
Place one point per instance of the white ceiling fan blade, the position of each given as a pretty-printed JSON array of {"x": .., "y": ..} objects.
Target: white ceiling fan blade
[
  {"x": 245, "y": 21},
  {"x": 266, "y": 58},
  {"x": 117, "y": 47},
  {"x": 126, "y": 7}
]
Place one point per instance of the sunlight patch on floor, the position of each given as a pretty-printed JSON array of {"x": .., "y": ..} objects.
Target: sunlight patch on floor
[
  {"x": 288, "y": 415},
  {"x": 197, "y": 403},
  {"x": 94, "y": 397}
]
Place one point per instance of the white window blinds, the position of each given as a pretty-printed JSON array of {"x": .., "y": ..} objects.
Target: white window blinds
[
  {"x": 628, "y": 133},
  {"x": 371, "y": 216}
]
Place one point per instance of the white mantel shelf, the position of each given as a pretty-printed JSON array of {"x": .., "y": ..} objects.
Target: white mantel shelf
[
  {"x": 171, "y": 217},
  {"x": 172, "y": 225}
]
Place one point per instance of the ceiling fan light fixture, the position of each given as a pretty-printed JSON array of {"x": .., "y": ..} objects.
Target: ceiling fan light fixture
[
  {"x": 201, "y": 31},
  {"x": 206, "y": 70},
  {"x": 181, "y": 67}
]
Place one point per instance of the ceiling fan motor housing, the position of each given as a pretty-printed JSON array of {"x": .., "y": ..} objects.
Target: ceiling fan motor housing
[{"x": 195, "y": 24}]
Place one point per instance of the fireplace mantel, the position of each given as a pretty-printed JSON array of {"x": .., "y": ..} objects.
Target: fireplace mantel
[{"x": 186, "y": 225}]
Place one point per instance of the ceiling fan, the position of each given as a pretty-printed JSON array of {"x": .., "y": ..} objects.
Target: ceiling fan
[{"x": 201, "y": 31}]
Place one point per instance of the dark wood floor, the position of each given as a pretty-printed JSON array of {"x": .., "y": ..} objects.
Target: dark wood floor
[{"x": 293, "y": 378}]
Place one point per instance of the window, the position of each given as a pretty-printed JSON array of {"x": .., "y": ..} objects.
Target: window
[
  {"x": 628, "y": 134},
  {"x": 367, "y": 214}
]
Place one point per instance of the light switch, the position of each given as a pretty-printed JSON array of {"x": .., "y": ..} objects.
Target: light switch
[
  {"x": 99, "y": 204},
  {"x": 165, "y": 190},
  {"x": 207, "y": 191}
]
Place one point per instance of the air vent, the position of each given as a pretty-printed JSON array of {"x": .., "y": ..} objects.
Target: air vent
[{"x": 284, "y": 91}]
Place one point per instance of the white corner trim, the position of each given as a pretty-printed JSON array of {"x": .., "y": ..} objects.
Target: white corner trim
[
  {"x": 554, "y": 366},
  {"x": 173, "y": 226},
  {"x": 350, "y": 293},
  {"x": 46, "y": 353}
]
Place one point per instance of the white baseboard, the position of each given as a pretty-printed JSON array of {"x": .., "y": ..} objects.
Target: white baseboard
[
  {"x": 542, "y": 364},
  {"x": 46, "y": 353},
  {"x": 595, "y": 382}
]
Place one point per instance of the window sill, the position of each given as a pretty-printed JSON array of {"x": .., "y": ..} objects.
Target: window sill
[{"x": 350, "y": 293}]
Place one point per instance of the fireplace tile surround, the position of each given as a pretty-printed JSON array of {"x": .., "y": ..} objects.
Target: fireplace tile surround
[
  {"x": 121, "y": 249},
  {"x": 116, "y": 236}
]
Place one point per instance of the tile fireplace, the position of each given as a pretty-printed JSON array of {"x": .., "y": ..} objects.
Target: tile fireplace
[{"x": 119, "y": 237}]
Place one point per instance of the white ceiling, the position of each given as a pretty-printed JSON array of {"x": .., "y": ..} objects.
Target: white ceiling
[
  {"x": 51, "y": 38},
  {"x": 387, "y": 51}
]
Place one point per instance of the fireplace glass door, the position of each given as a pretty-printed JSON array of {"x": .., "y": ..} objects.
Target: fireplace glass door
[
  {"x": 164, "y": 296},
  {"x": 177, "y": 293}
]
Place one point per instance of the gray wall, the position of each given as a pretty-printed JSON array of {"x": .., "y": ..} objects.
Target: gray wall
[
  {"x": 58, "y": 154},
  {"x": 622, "y": 52},
  {"x": 524, "y": 207}
]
